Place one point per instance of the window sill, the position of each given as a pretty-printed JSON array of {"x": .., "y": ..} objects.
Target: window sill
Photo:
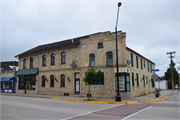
[
  {"x": 62, "y": 63},
  {"x": 52, "y": 65},
  {"x": 62, "y": 86},
  {"x": 44, "y": 66},
  {"x": 51, "y": 86},
  {"x": 42, "y": 86},
  {"x": 100, "y": 47}
]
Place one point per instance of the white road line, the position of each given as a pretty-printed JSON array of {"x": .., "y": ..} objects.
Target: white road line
[
  {"x": 136, "y": 113},
  {"x": 89, "y": 112}
]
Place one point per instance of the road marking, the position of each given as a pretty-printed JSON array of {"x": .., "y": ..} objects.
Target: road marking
[
  {"x": 89, "y": 112},
  {"x": 133, "y": 102},
  {"x": 17, "y": 103},
  {"x": 136, "y": 113}
]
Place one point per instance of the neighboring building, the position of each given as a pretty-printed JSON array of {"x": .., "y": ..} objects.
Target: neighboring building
[
  {"x": 58, "y": 68},
  {"x": 8, "y": 76},
  {"x": 161, "y": 83}
]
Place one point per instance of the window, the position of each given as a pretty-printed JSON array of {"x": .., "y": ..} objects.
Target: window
[
  {"x": 63, "y": 58},
  {"x": 132, "y": 79},
  {"x": 151, "y": 67},
  {"x": 100, "y": 45},
  {"x": 137, "y": 61},
  {"x": 137, "y": 78},
  {"x": 152, "y": 82},
  {"x": 43, "y": 81},
  {"x": 52, "y": 81},
  {"x": 91, "y": 60},
  {"x": 148, "y": 66},
  {"x": 52, "y": 59},
  {"x": 62, "y": 80},
  {"x": 33, "y": 82},
  {"x": 24, "y": 64},
  {"x": 144, "y": 64},
  {"x": 141, "y": 64},
  {"x": 132, "y": 59},
  {"x": 31, "y": 62},
  {"x": 124, "y": 82},
  {"x": 109, "y": 57},
  {"x": 44, "y": 60},
  {"x": 100, "y": 81},
  {"x": 146, "y": 80}
]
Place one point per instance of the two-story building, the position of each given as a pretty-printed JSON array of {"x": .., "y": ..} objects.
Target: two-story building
[{"x": 58, "y": 68}]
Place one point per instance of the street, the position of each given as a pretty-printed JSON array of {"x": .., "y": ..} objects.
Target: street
[{"x": 16, "y": 107}]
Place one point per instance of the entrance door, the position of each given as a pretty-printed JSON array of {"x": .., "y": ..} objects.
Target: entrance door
[
  {"x": 77, "y": 86},
  {"x": 27, "y": 87}
]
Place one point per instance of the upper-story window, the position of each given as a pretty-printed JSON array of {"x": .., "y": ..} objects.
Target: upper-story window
[
  {"x": 109, "y": 57},
  {"x": 137, "y": 61},
  {"x": 146, "y": 80},
  {"x": 141, "y": 64},
  {"x": 132, "y": 59},
  {"x": 24, "y": 63},
  {"x": 100, "y": 45},
  {"x": 43, "y": 60},
  {"x": 31, "y": 62},
  {"x": 63, "y": 58},
  {"x": 148, "y": 66},
  {"x": 91, "y": 60},
  {"x": 137, "y": 78},
  {"x": 151, "y": 67},
  {"x": 52, "y": 59},
  {"x": 144, "y": 64}
]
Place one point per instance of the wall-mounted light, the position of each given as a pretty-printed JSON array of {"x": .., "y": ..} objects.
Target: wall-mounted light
[
  {"x": 86, "y": 65},
  {"x": 68, "y": 79},
  {"x": 56, "y": 80},
  {"x": 46, "y": 80}
]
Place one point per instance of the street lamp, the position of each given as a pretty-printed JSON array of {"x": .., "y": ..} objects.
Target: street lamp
[{"x": 118, "y": 97}]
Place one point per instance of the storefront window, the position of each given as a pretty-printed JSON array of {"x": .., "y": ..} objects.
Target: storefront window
[
  {"x": 21, "y": 82},
  {"x": 10, "y": 84},
  {"x": 6, "y": 85},
  {"x": 33, "y": 82},
  {"x": 124, "y": 82}
]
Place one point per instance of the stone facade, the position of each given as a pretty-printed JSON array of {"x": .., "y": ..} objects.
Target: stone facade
[{"x": 80, "y": 55}]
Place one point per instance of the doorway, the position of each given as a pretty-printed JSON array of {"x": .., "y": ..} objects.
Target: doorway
[
  {"x": 77, "y": 83},
  {"x": 27, "y": 87}
]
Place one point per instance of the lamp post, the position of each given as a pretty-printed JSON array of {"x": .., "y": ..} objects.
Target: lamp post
[{"x": 118, "y": 97}]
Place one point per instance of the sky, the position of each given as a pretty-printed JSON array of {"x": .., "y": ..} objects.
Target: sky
[{"x": 152, "y": 26}]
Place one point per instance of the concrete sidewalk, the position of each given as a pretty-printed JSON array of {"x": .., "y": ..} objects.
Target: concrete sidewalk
[{"x": 74, "y": 98}]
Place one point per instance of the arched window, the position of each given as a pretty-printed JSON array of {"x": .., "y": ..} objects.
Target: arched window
[
  {"x": 43, "y": 81},
  {"x": 24, "y": 63},
  {"x": 63, "y": 58},
  {"x": 43, "y": 60},
  {"x": 100, "y": 45},
  {"x": 62, "y": 80},
  {"x": 52, "y": 59},
  {"x": 52, "y": 81},
  {"x": 31, "y": 62},
  {"x": 91, "y": 60},
  {"x": 109, "y": 57}
]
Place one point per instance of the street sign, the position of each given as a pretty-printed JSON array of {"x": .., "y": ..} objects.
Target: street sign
[{"x": 154, "y": 69}]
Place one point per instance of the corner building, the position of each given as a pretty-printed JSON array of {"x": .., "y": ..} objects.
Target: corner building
[{"x": 58, "y": 68}]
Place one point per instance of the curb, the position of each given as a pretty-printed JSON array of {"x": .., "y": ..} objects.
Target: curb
[
  {"x": 89, "y": 101},
  {"x": 155, "y": 100}
]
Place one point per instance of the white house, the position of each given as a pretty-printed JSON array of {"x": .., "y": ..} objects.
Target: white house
[{"x": 161, "y": 83}]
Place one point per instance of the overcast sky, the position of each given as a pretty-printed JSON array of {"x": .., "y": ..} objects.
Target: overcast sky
[{"x": 152, "y": 26}]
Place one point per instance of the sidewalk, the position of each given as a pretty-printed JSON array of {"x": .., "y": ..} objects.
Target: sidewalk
[{"x": 140, "y": 99}]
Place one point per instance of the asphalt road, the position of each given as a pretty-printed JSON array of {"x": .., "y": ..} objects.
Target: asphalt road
[{"x": 25, "y": 108}]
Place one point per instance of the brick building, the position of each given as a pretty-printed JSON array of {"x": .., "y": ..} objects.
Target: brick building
[{"x": 58, "y": 68}]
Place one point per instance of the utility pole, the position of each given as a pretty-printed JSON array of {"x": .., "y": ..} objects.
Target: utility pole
[{"x": 171, "y": 67}]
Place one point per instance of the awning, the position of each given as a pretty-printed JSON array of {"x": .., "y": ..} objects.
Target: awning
[
  {"x": 32, "y": 71},
  {"x": 6, "y": 79}
]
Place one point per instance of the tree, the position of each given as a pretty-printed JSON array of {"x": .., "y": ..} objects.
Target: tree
[
  {"x": 168, "y": 76},
  {"x": 92, "y": 77}
]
